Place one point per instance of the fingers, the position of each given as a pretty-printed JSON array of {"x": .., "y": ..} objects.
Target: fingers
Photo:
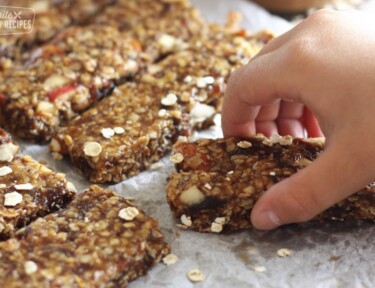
[
  {"x": 311, "y": 190},
  {"x": 261, "y": 82},
  {"x": 291, "y": 127},
  {"x": 311, "y": 124}
]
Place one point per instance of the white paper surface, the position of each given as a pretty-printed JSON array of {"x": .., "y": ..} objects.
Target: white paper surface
[{"x": 329, "y": 255}]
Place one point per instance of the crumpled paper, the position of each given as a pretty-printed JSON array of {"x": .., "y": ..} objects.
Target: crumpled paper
[{"x": 323, "y": 255}]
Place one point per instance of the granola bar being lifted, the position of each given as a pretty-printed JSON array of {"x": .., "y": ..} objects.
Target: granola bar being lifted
[
  {"x": 28, "y": 189},
  {"x": 123, "y": 134},
  {"x": 62, "y": 79},
  {"x": 218, "y": 181},
  {"x": 100, "y": 240}
]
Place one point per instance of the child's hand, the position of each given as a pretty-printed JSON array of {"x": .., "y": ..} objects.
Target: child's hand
[{"x": 327, "y": 63}]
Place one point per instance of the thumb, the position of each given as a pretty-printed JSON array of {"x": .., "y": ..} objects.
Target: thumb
[{"x": 335, "y": 175}]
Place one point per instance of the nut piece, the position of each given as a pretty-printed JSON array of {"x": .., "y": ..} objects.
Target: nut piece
[
  {"x": 119, "y": 130},
  {"x": 195, "y": 275},
  {"x": 108, "y": 132},
  {"x": 70, "y": 186},
  {"x": 26, "y": 186},
  {"x": 201, "y": 112},
  {"x": 12, "y": 199},
  {"x": 5, "y": 170},
  {"x": 128, "y": 213},
  {"x": 284, "y": 252},
  {"x": 169, "y": 100},
  {"x": 186, "y": 220},
  {"x": 170, "y": 259},
  {"x": 220, "y": 220},
  {"x": 216, "y": 227},
  {"x": 30, "y": 267},
  {"x": 7, "y": 151},
  {"x": 244, "y": 144},
  {"x": 177, "y": 158},
  {"x": 92, "y": 149},
  {"x": 192, "y": 196}
]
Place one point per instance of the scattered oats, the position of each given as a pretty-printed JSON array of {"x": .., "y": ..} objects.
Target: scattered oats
[
  {"x": 2, "y": 186},
  {"x": 182, "y": 139},
  {"x": 153, "y": 135},
  {"x": 220, "y": 220},
  {"x": 286, "y": 140},
  {"x": 108, "y": 132},
  {"x": 186, "y": 220},
  {"x": 46, "y": 107},
  {"x": 167, "y": 41},
  {"x": 2, "y": 227},
  {"x": 55, "y": 81},
  {"x": 169, "y": 100},
  {"x": 259, "y": 268},
  {"x": 57, "y": 156},
  {"x": 162, "y": 113},
  {"x": 26, "y": 186},
  {"x": 192, "y": 196},
  {"x": 170, "y": 259},
  {"x": 70, "y": 186},
  {"x": 188, "y": 79},
  {"x": 30, "y": 267},
  {"x": 119, "y": 130},
  {"x": 216, "y": 227},
  {"x": 12, "y": 199},
  {"x": 195, "y": 275},
  {"x": 284, "y": 252},
  {"x": 5, "y": 170},
  {"x": 177, "y": 158},
  {"x": 244, "y": 144},
  {"x": 230, "y": 172},
  {"x": 157, "y": 165},
  {"x": 272, "y": 173},
  {"x": 7, "y": 151},
  {"x": 92, "y": 149},
  {"x": 128, "y": 213},
  {"x": 182, "y": 226},
  {"x": 207, "y": 186},
  {"x": 55, "y": 145}
]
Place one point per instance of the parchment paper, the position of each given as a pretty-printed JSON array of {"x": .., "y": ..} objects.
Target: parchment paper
[{"x": 329, "y": 255}]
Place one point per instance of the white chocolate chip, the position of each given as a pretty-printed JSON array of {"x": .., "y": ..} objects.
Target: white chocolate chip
[
  {"x": 12, "y": 199},
  {"x": 272, "y": 173},
  {"x": 220, "y": 220},
  {"x": 128, "y": 213},
  {"x": 5, "y": 170},
  {"x": 30, "y": 267},
  {"x": 209, "y": 80},
  {"x": 169, "y": 100},
  {"x": 259, "y": 268},
  {"x": 195, "y": 275},
  {"x": 92, "y": 149},
  {"x": 46, "y": 107},
  {"x": 108, "y": 132},
  {"x": 244, "y": 144},
  {"x": 192, "y": 196},
  {"x": 201, "y": 112},
  {"x": 186, "y": 220},
  {"x": 216, "y": 227},
  {"x": 177, "y": 158},
  {"x": 188, "y": 79},
  {"x": 26, "y": 186},
  {"x": 7, "y": 151},
  {"x": 201, "y": 83},
  {"x": 284, "y": 252},
  {"x": 162, "y": 113},
  {"x": 119, "y": 130},
  {"x": 70, "y": 186},
  {"x": 170, "y": 259},
  {"x": 167, "y": 42},
  {"x": 54, "y": 81}
]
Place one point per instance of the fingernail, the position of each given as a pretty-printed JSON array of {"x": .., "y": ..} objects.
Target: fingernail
[{"x": 266, "y": 220}]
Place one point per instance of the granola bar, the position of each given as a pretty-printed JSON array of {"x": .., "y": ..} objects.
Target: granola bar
[
  {"x": 123, "y": 134},
  {"x": 160, "y": 26},
  {"x": 62, "y": 79},
  {"x": 101, "y": 240},
  {"x": 219, "y": 181},
  {"x": 51, "y": 17},
  {"x": 28, "y": 189}
]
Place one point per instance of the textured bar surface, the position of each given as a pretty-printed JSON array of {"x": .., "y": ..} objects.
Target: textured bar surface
[
  {"x": 63, "y": 78},
  {"x": 90, "y": 244},
  {"x": 45, "y": 192},
  {"x": 218, "y": 181}
]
